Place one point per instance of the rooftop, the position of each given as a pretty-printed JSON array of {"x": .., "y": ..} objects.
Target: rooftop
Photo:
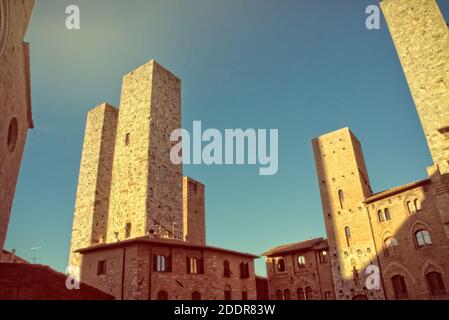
[
  {"x": 165, "y": 242},
  {"x": 396, "y": 190},
  {"x": 317, "y": 243}
]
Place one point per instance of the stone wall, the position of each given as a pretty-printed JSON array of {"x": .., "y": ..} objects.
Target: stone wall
[{"x": 15, "y": 100}]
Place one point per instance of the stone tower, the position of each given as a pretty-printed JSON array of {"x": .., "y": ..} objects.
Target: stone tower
[
  {"x": 193, "y": 211},
  {"x": 344, "y": 185},
  {"x": 146, "y": 191},
  {"x": 15, "y": 100},
  {"x": 94, "y": 185},
  {"x": 421, "y": 37}
]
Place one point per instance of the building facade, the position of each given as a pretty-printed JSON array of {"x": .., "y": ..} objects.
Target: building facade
[
  {"x": 139, "y": 227},
  {"x": 15, "y": 100},
  {"x": 300, "y": 271}
]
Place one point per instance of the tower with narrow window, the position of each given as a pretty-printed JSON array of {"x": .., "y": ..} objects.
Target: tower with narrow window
[
  {"x": 194, "y": 211},
  {"x": 421, "y": 37},
  {"x": 344, "y": 185},
  {"x": 146, "y": 188}
]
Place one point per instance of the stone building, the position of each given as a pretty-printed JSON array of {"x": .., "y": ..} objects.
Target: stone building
[
  {"x": 300, "y": 271},
  {"x": 15, "y": 100},
  {"x": 139, "y": 225},
  {"x": 401, "y": 232}
]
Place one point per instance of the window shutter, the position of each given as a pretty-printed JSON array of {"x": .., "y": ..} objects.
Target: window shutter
[
  {"x": 188, "y": 264},
  {"x": 242, "y": 270},
  {"x": 168, "y": 264},
  {"x": 154, "y": 262},
  {"x": 201, "y": 266}
]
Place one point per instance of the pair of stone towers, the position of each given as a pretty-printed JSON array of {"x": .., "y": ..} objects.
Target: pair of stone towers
[{"x": 128, "y": 187}]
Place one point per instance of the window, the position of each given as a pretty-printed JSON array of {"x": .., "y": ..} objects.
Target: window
[
  {"x": 161, "y": 264},
  {"x": 417, "y": 205},
  {"x": 341, "y": 198},
  {"x": 192, "y": 265},
  {"x": 399, "y": 287},
  {"x": 355, "y": 276},
  {"x": 301, "y": 262},
  {"x": 309, "y": 295},
  {"x": 244, "y": 270},
  {"x": 300, "y": 294},
  {"x": 127, "y": 139},
  {"x": 287, "y": 295},
  {"x": 244, "y": 294},
  {"x": 435, "y": 283},
  {"x": 390, "y": 245},
  {"x": 380, "y": 216},
  {"x": 323, "y": 256},
  {"x": 348, "y": 235},
  {"x": 410, "y": 207},
  {"x": 101, "y": 267},
  {"x": 281, "y": 265},
  {"x": 328, "y": 295},
  {"x": 128, "y": 230},
  {"x": 387, "y": 214},
  {"x": 162, "y": 295},
  {"x": 279, "y": 295},
  {"x": 423, "y": 239},
  {"x": 227, "y": 269},
  {"x": 196, "y": 295},
  {"x": 228, "y": 293},
  {"x": 13, "y": 133}
]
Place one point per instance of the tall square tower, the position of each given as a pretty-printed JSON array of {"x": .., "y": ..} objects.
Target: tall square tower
[
  {"x": 344, "y": 186},
  {"x": 146, "y": 190}
]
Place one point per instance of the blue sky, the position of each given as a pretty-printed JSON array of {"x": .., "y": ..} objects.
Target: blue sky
[{"x": 303, "y": 67}]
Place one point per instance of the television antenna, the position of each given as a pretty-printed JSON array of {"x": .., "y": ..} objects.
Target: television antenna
[{"x": 35, "y": 256}]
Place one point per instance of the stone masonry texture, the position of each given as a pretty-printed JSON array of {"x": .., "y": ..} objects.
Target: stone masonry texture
[{"x": 15, "y": 100}]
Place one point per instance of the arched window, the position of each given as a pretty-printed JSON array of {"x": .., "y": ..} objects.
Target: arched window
[
  {"x": 287, "y": 295},
  {"x": 417, "y": 205},
  {"x": 244, "y": 294},
  {"x": 300, "y": 294},
  {"x": 309, "y": 295},
  {"x": 193, "y": 265},
  {"x": 281, "y": 265},
  {"x": 387, "y": 214},
  {"x": 341, "y": 198},
  {"x": 227, "y": 269},
  {"x": 162, "y": 295},
  {"x": 348, "y": 235},
  {"x": 323, "y": 256},
  {"x": 327, "y": 295},
  {"x": 390, "y": 245},
  {"x": 380, "y": 216},
  {"x": 423, "y": 239},
  {"x": 161, "y": 263},
  {"x": 196, "y": 295},
  {"x": 410, "y": 207},
  {"x": 399, "y": 287},
  {"x": 228, "y": 293},
  {"x": 435, "y": 283},
  {"x": 301, "y": 262},
  {"x": 279, "y": 295}
]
